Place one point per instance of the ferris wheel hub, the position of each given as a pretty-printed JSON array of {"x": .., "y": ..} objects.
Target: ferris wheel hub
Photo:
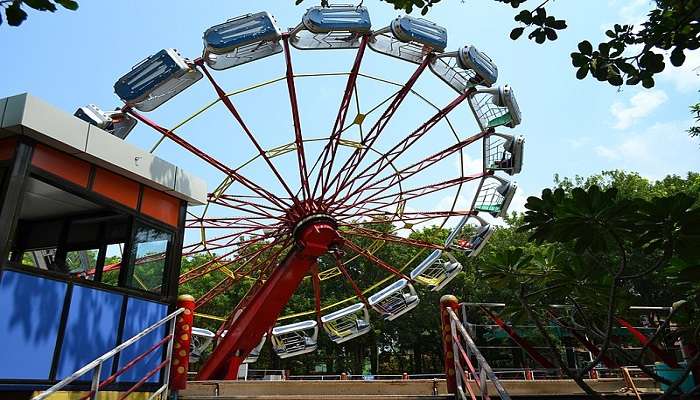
[{"x": 317, "y": 234}]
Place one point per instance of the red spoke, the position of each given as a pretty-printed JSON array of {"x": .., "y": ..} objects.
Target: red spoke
[
  {"x": 299, "y": 140},
  {"x": 259, "y": 211},
  {"x": 212, "y": 244},
  {"x": 378, "y": 235},
  {"x": 405, "y": 173},
  {"x": 212, "y": 266},
  {"x": 406, "y": 216},
  {"x": 232, "y": 109},
  {"x": 341, "y": 267},
  {"x": 390, "y": 156},
  {"x": 228, "y": 282},
  {"x": 358, "y": 155},
  {"x": 334, "y": 139},
  {"x": 380, "y": 263},
  {"x": 317, "y": 291},
  {"x": 211, "y": 160},
  {"x": 412, "y": 193},
  {"x": 262, "y": 275},
  {"x": 228, "y": 223}
]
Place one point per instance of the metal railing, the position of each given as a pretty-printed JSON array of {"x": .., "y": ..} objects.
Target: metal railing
[
  {"x": 481, "y": 373},
  {"x": 96, "y": 365}
]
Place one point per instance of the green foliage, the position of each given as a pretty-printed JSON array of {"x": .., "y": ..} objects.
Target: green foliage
[
  {"x": 695, "y": 111},
  {"x": 15, "y": 14},
  {"x": 605, "y": 243},
  {"x": 671, "y": 29}
]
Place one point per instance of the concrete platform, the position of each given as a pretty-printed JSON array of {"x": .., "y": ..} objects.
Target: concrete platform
[{"x": 404, "y": 390}]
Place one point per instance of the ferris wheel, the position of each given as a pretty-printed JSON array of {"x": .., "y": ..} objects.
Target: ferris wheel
[{"x": 331, "y": 201}]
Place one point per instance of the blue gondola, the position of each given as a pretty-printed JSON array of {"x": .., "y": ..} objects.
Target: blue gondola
[
  {"x": 156, "y": 80},
  {"x": 241, "y": 40},
  {"x": 338, "y": 18},
  {"x": 427, "y": 33},
  {"x": 334, "y": 27}
]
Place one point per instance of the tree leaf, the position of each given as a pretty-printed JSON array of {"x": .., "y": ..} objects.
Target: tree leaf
[
  {"x": 15, "y": 15},
  {"x": 585, "y": 47},
  {"x": 677, "y": 57},
  {"x": 516, "y": 33}
]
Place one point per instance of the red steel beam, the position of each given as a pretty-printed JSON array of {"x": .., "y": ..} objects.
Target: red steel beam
[
  {"x": 358, "y": 155},
  {"x": 334, "y": 139},
  {"x": 267, "y": 303},
  {"x": 341, "y": 266},
  {"x": 211, "y": 160},
  {"x": 390, "y": 156},
  {"x": 378, "y": 235},
  {"x": 298, "y": 139},
  {"x": 379, "y": 262},
  {"x": 232, "y": 109}
]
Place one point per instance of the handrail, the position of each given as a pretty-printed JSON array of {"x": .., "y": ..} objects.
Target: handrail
[
  {"x": 484, "y": 371},
  {"x": 96, "y": 364}
]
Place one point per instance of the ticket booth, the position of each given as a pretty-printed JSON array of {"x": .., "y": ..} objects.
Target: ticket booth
[{"x": 91, "y": 232}]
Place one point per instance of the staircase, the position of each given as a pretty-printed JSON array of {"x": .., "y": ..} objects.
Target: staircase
[{"x": 317, "y": 390}]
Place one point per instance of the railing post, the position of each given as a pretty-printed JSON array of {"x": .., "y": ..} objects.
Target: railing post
[
  {"x": 95, "y": 387},
  {"x": 447, "y": 345},
  {"x": 182, "y": 329}
]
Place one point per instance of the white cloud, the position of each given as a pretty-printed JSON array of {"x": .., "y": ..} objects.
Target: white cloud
[
  {"x": 640, "y": 105},
  {"x": 659, "y": 150},
  {"x": 634, "y": 11},
  {"x": 685, "y": 78},
  {"x": 469, "y": 165}
]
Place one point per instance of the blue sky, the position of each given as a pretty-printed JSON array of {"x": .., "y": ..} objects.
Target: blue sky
[{"x": 571, "y": 127}]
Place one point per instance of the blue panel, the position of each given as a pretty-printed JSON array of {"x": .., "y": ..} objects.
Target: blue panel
[
  {"x": 328, "y": 19},
  {"x": 28, "y": 330},
  {"x": 420, "y": 30},
  {"x": 151, "y": 73},
  {"x": 91, "y": 330},
  {"x": 140, "y": 314},
  {"x": 240, "y": 31}
]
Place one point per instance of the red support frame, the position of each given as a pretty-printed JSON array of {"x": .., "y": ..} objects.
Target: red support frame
[
  {"x": 334, "y": 139},
  {"x": 298, "y": 139},
  {"x": 266, "y": 303},
  {"x": 358, "y": 155}
]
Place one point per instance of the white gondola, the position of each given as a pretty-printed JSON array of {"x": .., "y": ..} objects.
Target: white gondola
[
  {"x": 201, "y": 339},
  {"x": 115, "y": 122},
  {"x": 437, "y": 270},
  {"x": 295, "y": 339},
  {"x": 465, "y": 68},
  {"x": 395, "y": 299},
  {"x": 471, "y": 245},
  {"x": 494, "y": 107},
  {"x": 504, "y": 153},
  {"x": 494, "y": 196},
  {"x": 156, "y": 80},
  {"x": 348, "y": 323},
  {"x": 240, "y": 40},
  {"x": 409, "y": 39},
  {"x": 255, "y": 353},
  {"x": 334, "y": 27}
]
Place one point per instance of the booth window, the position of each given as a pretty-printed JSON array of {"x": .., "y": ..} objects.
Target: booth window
[{"x": 148, "y": 258}]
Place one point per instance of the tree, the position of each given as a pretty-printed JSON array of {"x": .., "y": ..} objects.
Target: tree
[
  {"x": 600, "y": 252},
  {"x": 15, "y": 14}
]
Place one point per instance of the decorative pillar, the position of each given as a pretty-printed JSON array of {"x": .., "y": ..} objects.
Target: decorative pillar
[
  {"x": 451, "y": 302},
  {"x": 181, "y": 349}
]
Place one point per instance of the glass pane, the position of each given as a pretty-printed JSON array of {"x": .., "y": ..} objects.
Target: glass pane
[
  {"x": 148, "y": 257},
  {"x": 113, "y": 259},
  {"x": 82, "y": 263}
]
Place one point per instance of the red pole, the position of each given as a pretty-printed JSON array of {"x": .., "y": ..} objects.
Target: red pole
[
  {"x": 181, "y": 348},
  {"x": 451, "y": 302}
]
